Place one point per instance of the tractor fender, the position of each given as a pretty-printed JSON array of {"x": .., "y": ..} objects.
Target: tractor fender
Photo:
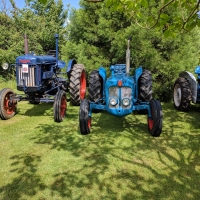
[
  {"x": 102, "y": 73},
  {"x": 70, "y": 65},
  {"x": 138, "y": 73},
  {"x": 192, "y": 83}
]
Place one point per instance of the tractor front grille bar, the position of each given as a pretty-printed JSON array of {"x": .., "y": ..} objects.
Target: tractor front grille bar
[
  {"x": 120, "y": 93},
  {"x": 27, "y": 77}
]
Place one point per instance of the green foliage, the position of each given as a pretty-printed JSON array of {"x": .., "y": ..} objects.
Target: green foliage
[
  {"x": 187, "y": 19},
  {"x": 91, "y": 35},
  {"x": 46, "y": 20},
  {"x": 41, "y": 1},
  {"x": 40, "y": 23},
  {"x": 9, "y": 44},
  {"x": 98, "y": 37}
]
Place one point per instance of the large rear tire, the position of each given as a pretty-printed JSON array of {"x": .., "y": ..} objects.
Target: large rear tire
[
  {"x": 60, "y": 106},
  {"x": 155, "y": 123},
  {"x": 7, "y": 108},
  {"x": 84, "y": 118},
  {"x": 182, "y": 94},
  {"x": 145, "y": 86},
  {"x": 77, "y": 86},
  {"x": 95, "y": 86}
]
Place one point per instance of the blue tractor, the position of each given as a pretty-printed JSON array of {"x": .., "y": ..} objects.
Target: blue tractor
[
  {"x": 120, "y": 95},
  {"x": 186, "y": 90},
  {"x": 41, "y": 79}
]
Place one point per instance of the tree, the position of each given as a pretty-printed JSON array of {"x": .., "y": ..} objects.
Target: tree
[
  {"x": 156, "y": 16},
  {"x": 91, "y": 31},
  {"x": 186, "y": 21},
  {"x": 40, "y": 23},
  {"x": 98, "y": 37}
]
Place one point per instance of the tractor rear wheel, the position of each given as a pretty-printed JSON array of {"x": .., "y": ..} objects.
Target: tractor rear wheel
[
  {"x": 7, "y": 108},
  {"x": 84, "y": 118},
  {"x": 155, "y": 122},
  {"x": 77, "y": 86},
  {"x": 95, "y": 86},
  {"x": 145, "y": 86},
  {"x": 60, "y": 106},
  {"x": 182, "y": 94}
]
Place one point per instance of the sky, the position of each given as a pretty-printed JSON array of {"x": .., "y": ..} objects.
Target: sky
[{"x": 73, "y": 3}]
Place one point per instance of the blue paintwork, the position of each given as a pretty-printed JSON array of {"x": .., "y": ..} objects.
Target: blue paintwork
[
  {"x": 61, "y": 64},
  {"x": 197, "y": 70},
  {"x": 70, "y": 65},
  {"x": 41, "y": 79},
  {"x": 118, "y": 72},
  {"x": 102, "y": 73},
  {"x": 56, "y": 36},
  {"x": 198, "y": 94},
  {"x": 138, "y": 73},
  {"x": 33, "y": 59}
]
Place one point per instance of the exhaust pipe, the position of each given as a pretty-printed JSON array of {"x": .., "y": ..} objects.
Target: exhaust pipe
[
  {"x": 26, "y": 44},
  {"x": 56, "y": 36},
  {"x": 128, "y": 55}
]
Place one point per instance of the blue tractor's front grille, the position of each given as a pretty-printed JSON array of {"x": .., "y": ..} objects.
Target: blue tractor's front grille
[
  {"x": 26, "y": 77},
  {"x": 120, "y": 93}
]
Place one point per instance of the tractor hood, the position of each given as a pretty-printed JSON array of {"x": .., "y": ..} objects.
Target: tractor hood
[{"x": 33, "y": 59}]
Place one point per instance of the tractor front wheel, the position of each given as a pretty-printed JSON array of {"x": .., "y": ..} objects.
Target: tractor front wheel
[
  {"x": 77, "y": 86},
  {"x": 155, "y": 122},
  {"x": 8, "y": 107},
  {"x": 182, "y": 94},
  {"x": 60, "y": 106},
  {"x": 84, "y": 118}
]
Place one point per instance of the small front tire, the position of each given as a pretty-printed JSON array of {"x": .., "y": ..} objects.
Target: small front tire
[
  {"x": 155, "y": 122},
  {"x": 7, "y": 108},
  {"x": 84, "y": 118},
  {"x": 60, "y": 106}
]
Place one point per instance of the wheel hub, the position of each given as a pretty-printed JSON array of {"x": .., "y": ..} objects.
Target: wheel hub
[{"x": 177, "y": 95}]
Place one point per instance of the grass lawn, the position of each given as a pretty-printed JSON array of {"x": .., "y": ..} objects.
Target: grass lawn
[{"x": 44, "y": 160}]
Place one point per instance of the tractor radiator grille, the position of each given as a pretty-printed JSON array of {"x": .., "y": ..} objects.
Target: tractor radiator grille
[
  {"x": 28, "y": 78},
  {"x": 120, "y": 93}
]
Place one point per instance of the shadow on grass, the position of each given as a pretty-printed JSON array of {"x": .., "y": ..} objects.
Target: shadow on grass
[
  {"x": 26, "y": 182},
  {"x": 39, "y": 109},
  {"x": 119, "y": 159},
  {"x": 127, "y": 141},
  {"x": 46, "y": 109}
]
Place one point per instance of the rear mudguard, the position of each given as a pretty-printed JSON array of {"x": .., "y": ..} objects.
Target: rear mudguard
[
  {"x": 192, "y": 83},
  {"x": 138, "y": 73},
  {"x": 70, "y": 65},
  {"x": 102, "y": 73}
]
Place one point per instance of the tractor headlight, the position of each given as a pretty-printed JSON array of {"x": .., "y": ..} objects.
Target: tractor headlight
[
  {"x": 113, "y": 101},
  {"x": 5, "y": 66},
  {"x": 126, "y": 102}
]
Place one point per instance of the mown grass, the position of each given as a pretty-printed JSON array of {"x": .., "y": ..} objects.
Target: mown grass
[{"x": 41, "y": 159}]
